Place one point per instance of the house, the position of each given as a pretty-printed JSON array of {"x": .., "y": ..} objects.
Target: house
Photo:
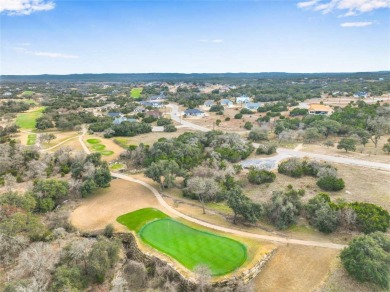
[
  {"x": 120, "y": 120},
  {"x": 139, "y": 109},
  {"x": 157, "y": 114},
  {"x": 253, "y": 105},
  {"x": 209, "y": 103},
  {"x": 226, "y": 103},
  {"x": 243, "y": 99},
  {"x": 319, "y": 109},
  {"x": 113, "y": 115},
  {"x": 7, "y": 93},
  {"x": 194, "y": 112},
  {"x": 156, "y": 104},
  {"x": 361, "y": 94}
]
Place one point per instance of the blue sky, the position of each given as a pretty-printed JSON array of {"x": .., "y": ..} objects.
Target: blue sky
[{"x": 64, "y": 37}]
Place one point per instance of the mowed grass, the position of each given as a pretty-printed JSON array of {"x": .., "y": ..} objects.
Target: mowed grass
[
  {"x": 136, "y": 92},
  {"x": 192, "y": 247},
  {"x": 27, "y": 93},
  {"x": 137, "y": 219},
  {"x": 98, "y": 147},
  {"x": 28, "y": 120},
  {"x": 93, "y": 141},
  {"x": 117, "y": 166},
  {"x": 31, "y": 139}
]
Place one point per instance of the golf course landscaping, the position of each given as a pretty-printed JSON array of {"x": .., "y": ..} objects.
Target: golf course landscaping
[
  {"x": 97, "y": 146},
  {"x": 189, "y": 246},
  {"x": 27, "y": 120}
]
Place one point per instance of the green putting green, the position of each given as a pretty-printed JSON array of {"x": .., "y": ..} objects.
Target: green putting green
[
  {"x": 93, "y": 141},
  {"x": 137, "y": 219},
  {"x": 98, "y": 147},
  {"x": 117, "y": 166},
  {"x": 192, "y": 247}
]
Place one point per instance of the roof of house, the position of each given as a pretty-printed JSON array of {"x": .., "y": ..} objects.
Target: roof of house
[
  {"x": 253, "y": 105},
  {"x": 319, "y": 108},
  {"x": 193, "y": 111},
  {"x": 226, "y": 101},
  {"x": 242, "y": 97},
  {"x": 209, "y": 102},
  {"x": 119, "y": 120},
  {"x": 113, "y": 114}
]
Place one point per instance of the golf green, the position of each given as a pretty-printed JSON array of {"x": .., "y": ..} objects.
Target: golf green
[
  {"x": 192, "y": 247},
  {"x": 137, "y": 219},
  {"x": 93, "y": 141}
]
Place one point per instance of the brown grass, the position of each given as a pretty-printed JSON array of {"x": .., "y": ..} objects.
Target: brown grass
[
  {"x": 296, "y": 268},
  {"x": 369, "y": 152}
]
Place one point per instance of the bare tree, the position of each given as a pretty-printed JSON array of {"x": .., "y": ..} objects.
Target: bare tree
[
  {"x": 9, "y": 182},
  {"x": 204, "y": 187},
  {"x": 203, "y": 277}
]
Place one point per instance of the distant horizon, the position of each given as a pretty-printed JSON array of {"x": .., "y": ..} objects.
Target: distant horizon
[{"x": 203, "y": 73}]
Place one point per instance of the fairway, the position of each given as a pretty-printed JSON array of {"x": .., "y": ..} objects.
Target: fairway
[
  {"x": 192, "y": 247},
  {"x": 135, "y": 92},
  {"x": 27, "y": 120},
  {"x": 137, "y": 219}
]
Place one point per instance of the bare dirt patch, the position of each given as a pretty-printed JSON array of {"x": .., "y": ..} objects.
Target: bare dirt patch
[
  {"x": 296, "y": 268},
  {"x": 102, "y": 208}
]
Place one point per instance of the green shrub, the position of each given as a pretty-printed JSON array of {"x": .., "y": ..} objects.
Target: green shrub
[
  {"x": 170, "y": 128},
  {"x": 367, "y": 259},
  {"x": 238, "y": 116},
  {"x": 370, "y": 217},
  {"x": 248, "y": 125},
  {"x": 331, "y": 183},
  {"x": 260, "y": 176},
  {"x": 267, "y": 149}
]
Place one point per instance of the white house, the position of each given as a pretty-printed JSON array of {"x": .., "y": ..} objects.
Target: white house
[
  {"x": 361, "y": 94},
  {"x": 194, "y": 112},
  {"x": 252, "y": 105},
  {"x": 226, "y": 103},
  {"x": 209, "y": 103},
  {"x": 243, "y": 99}
]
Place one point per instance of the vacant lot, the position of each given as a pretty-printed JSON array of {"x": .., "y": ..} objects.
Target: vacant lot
[
  {"x": 369, "y": 152},
  {"x": 361, "y": 184},
  {"x": 27, "y": 120},
  {"x": 192, "y": 247},
  {"x": 148, "y": 138},
  {"x": 296, "y": 268}
]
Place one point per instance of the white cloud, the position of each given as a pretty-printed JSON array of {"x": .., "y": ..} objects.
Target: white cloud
[
  {"x": 352, "y": 7},
  {"x": 356, "y": 24},
  {"x": 25, "y": 7},
  {"x": 45, "y": 54},
  {"x": 307, "y": 4}
]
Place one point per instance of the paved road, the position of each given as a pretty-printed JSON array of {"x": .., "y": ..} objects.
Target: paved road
[{"x": 286, "y": 153}]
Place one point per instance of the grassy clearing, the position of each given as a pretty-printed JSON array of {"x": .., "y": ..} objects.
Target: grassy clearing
[
  {"x": 27, "y": 120},
  {"x": 136, "y": 92},
  {"x": 31, "y": 139},
  {"x": 28, "y": 93},
  {"x": 192, "y": 247},
  {"x": 93, "y": 141},
  {"x": 137, "y": 219},
  {"x": 117, "y": 166}
]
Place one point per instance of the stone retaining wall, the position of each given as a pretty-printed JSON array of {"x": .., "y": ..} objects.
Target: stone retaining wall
[{"x": 136, "y": 254}]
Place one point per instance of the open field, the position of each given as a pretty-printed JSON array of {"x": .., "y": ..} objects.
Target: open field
[
  {"x": 148, "y": 138},
  {"x": 192, "y": 247},
  {"x": 296, "y": 268},
  {"x": 28, "y": 93},
  {"x": 137, "y": 219},
  {"x": 366, "y": 185},
  {"x": 27, "y": 120},
  {"x": 136, "y": 92},
  {"x": 369, "y": 152}
]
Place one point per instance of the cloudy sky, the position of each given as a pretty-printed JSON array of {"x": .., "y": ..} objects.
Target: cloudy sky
[{"x": 138, "y": 36}]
